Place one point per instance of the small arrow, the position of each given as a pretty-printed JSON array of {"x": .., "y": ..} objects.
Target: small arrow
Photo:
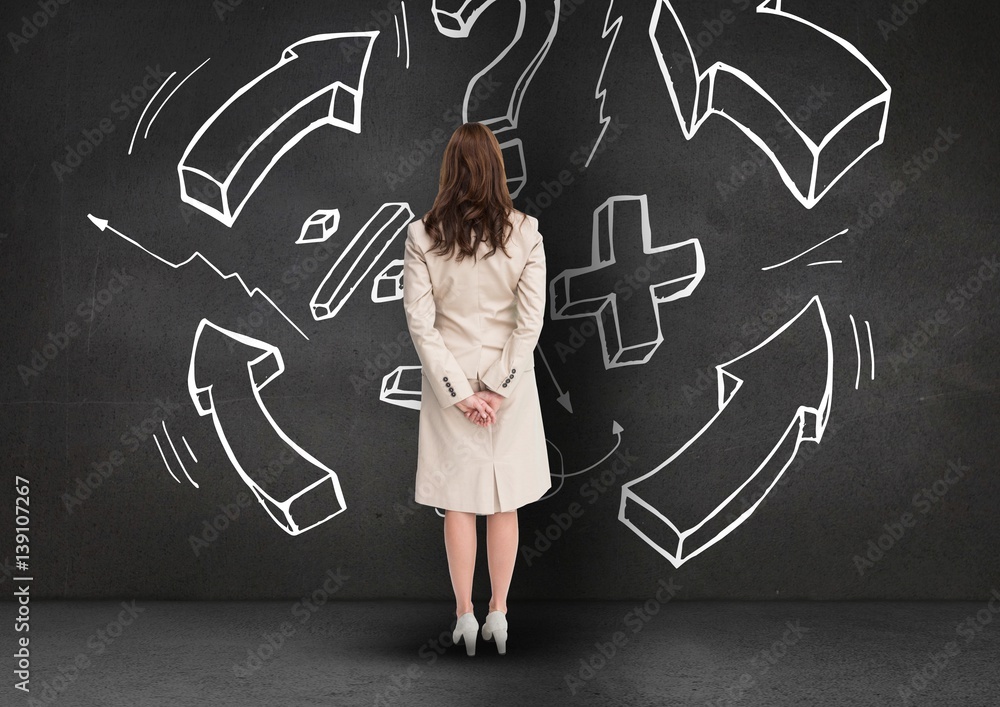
[
  {"x": 616, "y": 430},
  {"x": 563, "y": 396}
]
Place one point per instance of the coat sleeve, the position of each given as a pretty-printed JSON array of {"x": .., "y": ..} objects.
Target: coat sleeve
[
  {"x": 446, "y": 377},
  {"x": 519, "y": 351}
]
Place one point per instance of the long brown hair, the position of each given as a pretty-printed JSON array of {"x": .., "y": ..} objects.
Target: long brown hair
[{"x": 472, "y": 195}]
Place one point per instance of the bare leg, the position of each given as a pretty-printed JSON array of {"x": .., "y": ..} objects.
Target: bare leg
[
  {"x": 460, "y": 544},
  {"x": 501, "y": 548}
]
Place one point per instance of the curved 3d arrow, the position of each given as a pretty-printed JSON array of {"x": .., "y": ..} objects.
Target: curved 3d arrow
[
  {"x": 307, "y": 493},
  {"x": 836, "y": 115},
  {"x": 207, "y": 181},
  {"x": 771, "y": 399}
]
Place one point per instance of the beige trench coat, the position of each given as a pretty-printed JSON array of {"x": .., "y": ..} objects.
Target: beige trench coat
[{"x": 475, "y": 324}]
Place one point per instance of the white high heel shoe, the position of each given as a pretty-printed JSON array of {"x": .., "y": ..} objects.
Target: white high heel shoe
[
  {"x": 466, "y": 627},
  {"x": 495, "y": 627}
]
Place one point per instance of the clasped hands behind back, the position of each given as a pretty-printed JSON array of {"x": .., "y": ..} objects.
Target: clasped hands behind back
[{"x": 481, "y": 407}]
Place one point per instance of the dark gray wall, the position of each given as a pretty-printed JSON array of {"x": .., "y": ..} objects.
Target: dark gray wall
[{"x": 920, "y": 271}]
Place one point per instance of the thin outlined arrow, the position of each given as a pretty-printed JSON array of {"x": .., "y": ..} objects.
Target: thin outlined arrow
[
  {"x": 563, "y": 396},
  {"x": 104, "y": 226},
  {"x": 616, "y": 430}
]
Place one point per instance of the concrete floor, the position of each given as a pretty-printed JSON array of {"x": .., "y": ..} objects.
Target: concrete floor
[{"x": 110, "y": 653}]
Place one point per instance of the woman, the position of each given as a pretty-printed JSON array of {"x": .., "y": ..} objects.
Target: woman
[{"x": 474, "y": 294}]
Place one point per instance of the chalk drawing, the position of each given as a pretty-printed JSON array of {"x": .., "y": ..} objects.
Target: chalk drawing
[
  {"x": 333, "y": 101},
  {"x": 178, "y": 456},
  {"x": 570, "y": 297},
  {"x": 722, "y": 88},
  {"x": 320, "y": 226},
  {"x": 308, "y": 492},
  {"x": 526, "y": 59},
  {"x": 103, "y": 225},
  {"x": 661, "y": 506},
  {"x": 796, "y": 257},
  {"x": 171, "y": 95},
  {"x": 388, "y": 285},
  {"x": 358, "y": 258},
  {"x": 401, "y": 386},
  {"x": 600, "y": 93}
]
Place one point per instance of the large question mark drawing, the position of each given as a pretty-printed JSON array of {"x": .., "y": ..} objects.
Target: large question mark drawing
[{"x": 458, "y": 22}]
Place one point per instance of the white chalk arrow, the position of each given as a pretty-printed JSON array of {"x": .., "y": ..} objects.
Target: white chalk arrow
[
  {"x": 217, "y": 177},
  {"x": 308, "y": 492},
  {"x": 563, "y": 396},
  {"x": 771, "y": 399}
]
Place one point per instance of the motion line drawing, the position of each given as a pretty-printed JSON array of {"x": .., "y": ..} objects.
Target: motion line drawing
[
  {"x": 857, "y": 350},
  {"x": 307, "y": 493},
  {"x": 331, "y": 101},
  {"x": 761, "y": 101},
  {"x": 783, "y": 389},
  {"x": 178, "y": 456},
  {"x": 807, "y": 250},
  {"x": 623, "y": 259}
]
